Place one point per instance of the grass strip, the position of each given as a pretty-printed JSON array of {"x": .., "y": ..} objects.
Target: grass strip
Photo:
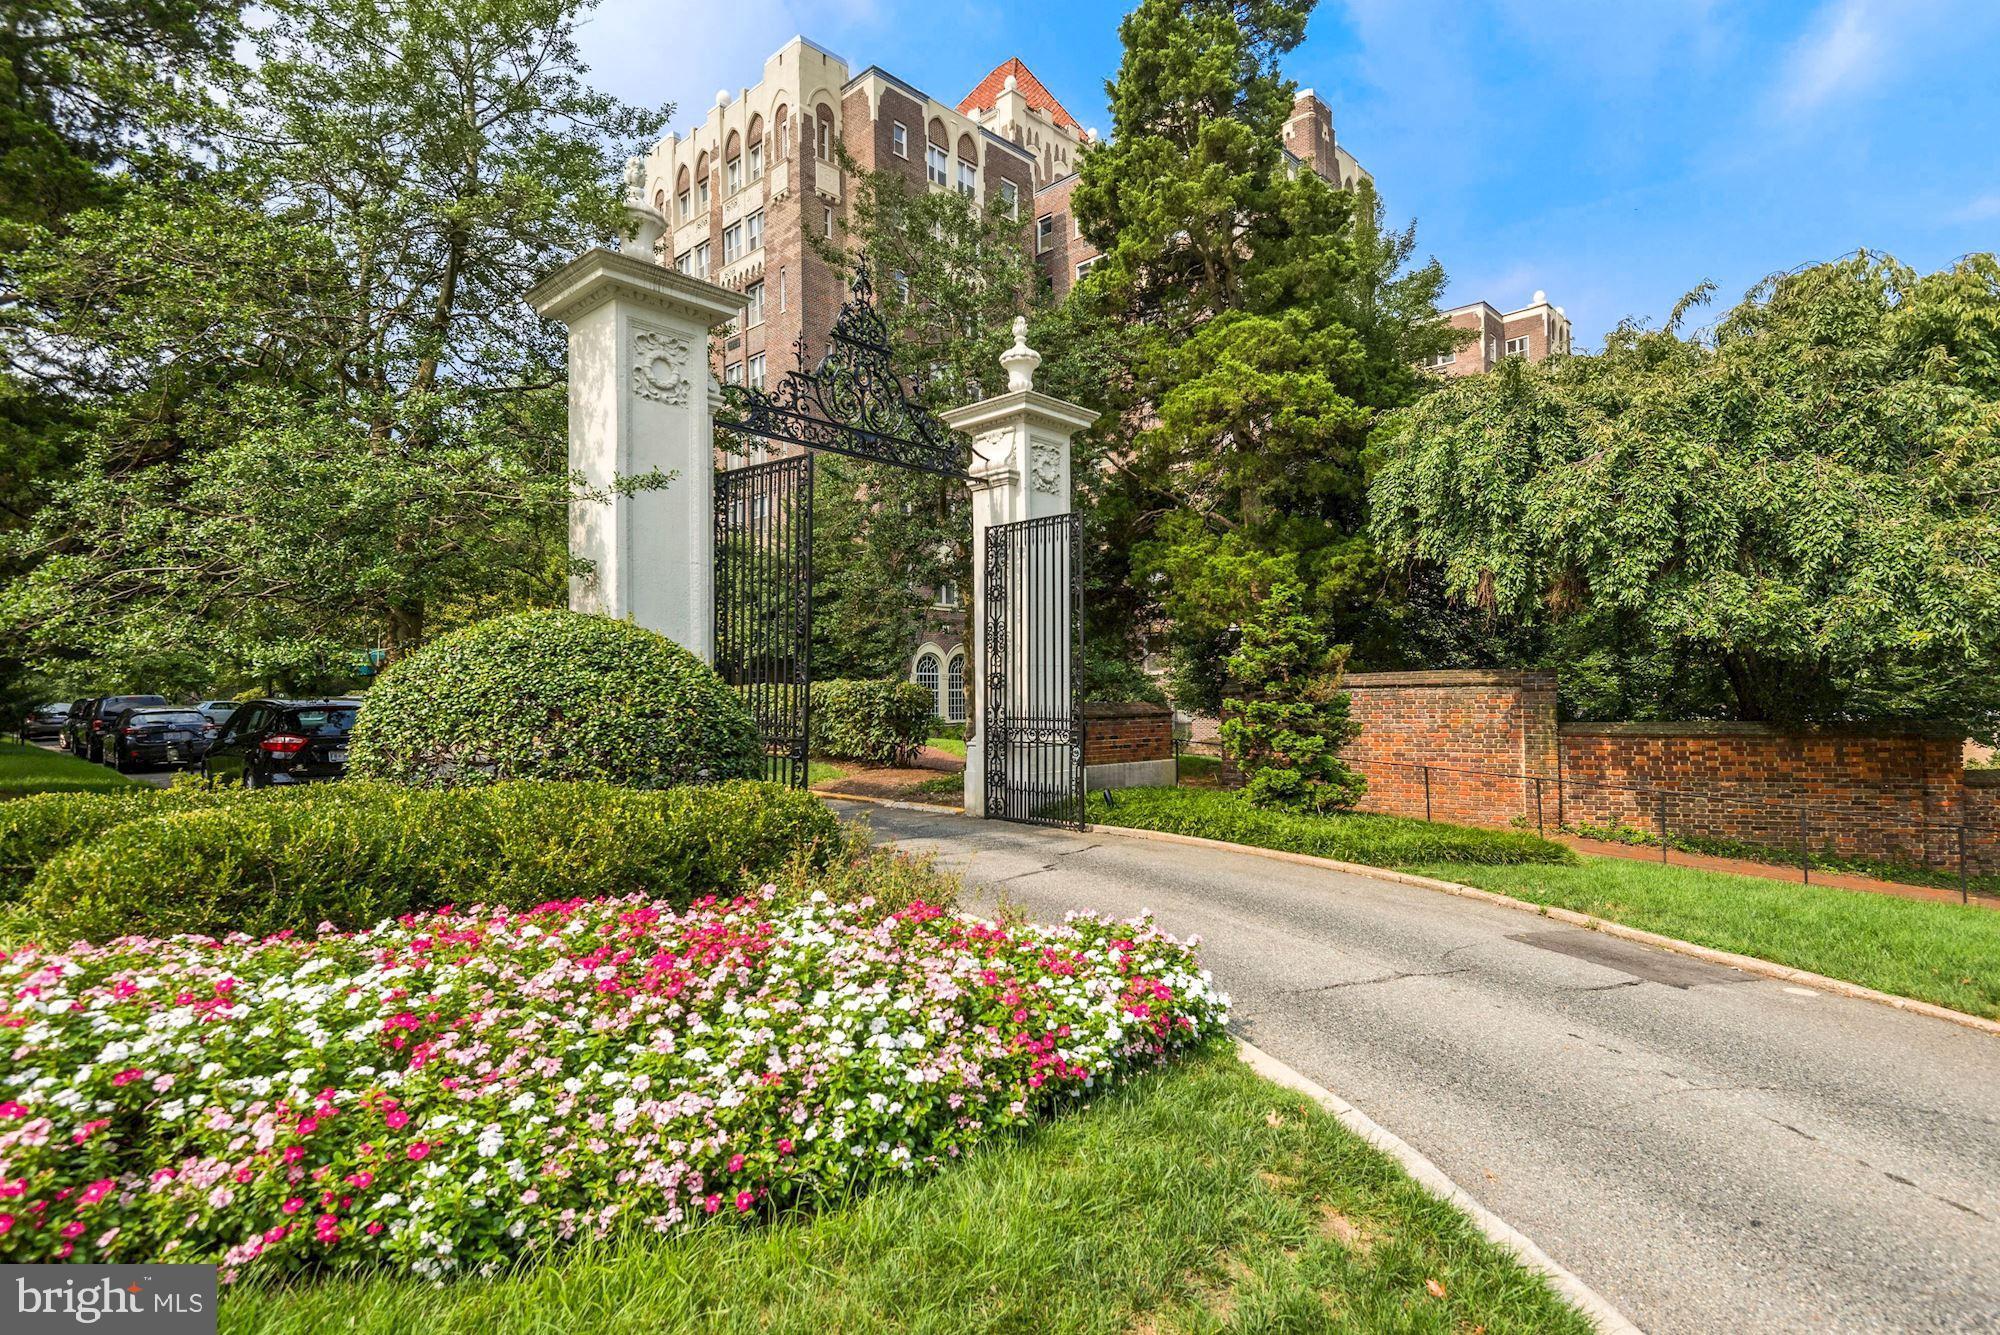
[
  {"x": 28, "y": 769},
  {"x": 1947, "y": 954},
  {"x": 1375, "y": 841},
  {"x": 1198, "y": 1198}
]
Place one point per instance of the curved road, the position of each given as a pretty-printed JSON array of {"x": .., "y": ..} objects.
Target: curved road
[{"x": 1709, "y": 1150}]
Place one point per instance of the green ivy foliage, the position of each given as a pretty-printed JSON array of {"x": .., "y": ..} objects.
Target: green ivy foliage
[
  {"x": 553, "y": 694},
  {"x": 355, "y": 853},
  {"x": 880, "y": 721},
  {"x": 1289, "y": 717}
]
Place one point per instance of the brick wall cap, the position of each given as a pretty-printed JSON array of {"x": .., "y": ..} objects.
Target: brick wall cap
[
  {"x": 1108, "y": 709},
  {"x": 1534, "y": 678},
  {"x": 1730, "y": 728},
  {"x": 1982, "y": 778}
]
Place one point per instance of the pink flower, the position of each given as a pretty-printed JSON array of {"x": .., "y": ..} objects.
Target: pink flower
[
  {"x": 277, "y": 1234},
  {"x": 73, "y": 1229},
  {"x": 745, "y": 1199},
  {"x": 371, "y": 1228},
  {"x": 97, "y": 1191},
  {"x": 396, "y": 1119},
  {"x": 419, "y": 1150},
  {"x": 360, "y": 1181},
  {"x": 127, "y": 1076},
  {"x": 530, "y": 1196},
  {"x": 63, "y": 1252},
  {"x": 12, "y": 1109},
  {"x": 785, "y": 1146},
  {"x": 294, "y": 1205},
  {"x": 712, "y": 1204},
  {"x": 308, "y": 1125},
  {"x": 736, "y": 1163},
  {"x": 6, "y": 1222},
  {"x": 294, "y": 1153}
]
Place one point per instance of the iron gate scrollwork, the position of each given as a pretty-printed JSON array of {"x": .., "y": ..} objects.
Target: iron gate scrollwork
[
  {"x": 1033, "y": 728},
  {"x": 763, "y": 603}
]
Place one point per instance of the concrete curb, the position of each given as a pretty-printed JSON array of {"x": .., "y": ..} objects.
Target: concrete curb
[
  {"x": 1608, "y": 1319},
  {"x": 1747, "y": 963}
]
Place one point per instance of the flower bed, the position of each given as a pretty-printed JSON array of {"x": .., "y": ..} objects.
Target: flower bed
[{"x": 451, "y": 1091}]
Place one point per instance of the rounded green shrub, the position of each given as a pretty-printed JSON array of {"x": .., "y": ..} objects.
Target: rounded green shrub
[
  {"x": 553, "y": 695},
  {"x": 35, "y": 829},
  {"x": 882, "y": 721},
  {"x": 355, "y": 853}
]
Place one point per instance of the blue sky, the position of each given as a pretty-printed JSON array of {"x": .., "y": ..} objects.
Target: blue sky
[{"x": 1611, "y": 152}]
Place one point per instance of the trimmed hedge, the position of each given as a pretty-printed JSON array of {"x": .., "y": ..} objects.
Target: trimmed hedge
[
  {"x": 881, "y": 721},
  {"x": 35, "y": 829},
  {"x": 1375, "y": 841},
  {"x": 353, "y": 854},
  {"x": 553, "y": 695}
]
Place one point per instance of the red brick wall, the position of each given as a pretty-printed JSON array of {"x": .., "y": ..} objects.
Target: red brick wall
[
  {"x": 1114, "y": 734},
  {"x": 1500, "y": 724}
]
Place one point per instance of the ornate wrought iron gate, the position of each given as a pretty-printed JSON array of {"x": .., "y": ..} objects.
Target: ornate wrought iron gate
[
  {"x": 763, "y": 602},
  {"x": 1033, "y": 729}
]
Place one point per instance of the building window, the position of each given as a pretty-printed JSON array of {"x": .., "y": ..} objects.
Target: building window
[
  {"x": 954, "y": 688},
  {"x": 902, "y": 282},
  {"x": 685, "y": 261},
  {"x": 828, "y": 209},
  {"x": 1517, "y": 347},
  {"x": 732, "y": 374},
  {"x": 687, "y": 204},
  {"x": 755, "y": 374},
  {"x": 1492, "y": 348},
  {"x": 823, "y": 142},
  {"x": 1085, "y": 266},
  {"x": 700, "y": 266},
  {"x": 735, "y": 175},
  {"x": 753, "y": 230},
  {"x": 926, "y": 676},
  {"x": 783, "y": 299},
  {"x": 968, "y": 178},
  {"x": 701, "y": 194},
  {"x": 1045, "y": 232},
  {"x": 732, "y": 243},
  {"x": 899, "y": 139},
  {"x": 756, "y": 161},
  {"x": 935, "y": 166},
  {"x": 1010, "y": 198},
  {"x": 754, "y": 294},
  {"x": 1444, "y": 359},
  {"x": 947, "y": 594}
]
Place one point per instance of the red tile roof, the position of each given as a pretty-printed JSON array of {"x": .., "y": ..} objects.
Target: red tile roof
[{"x": 983, "y": 97}]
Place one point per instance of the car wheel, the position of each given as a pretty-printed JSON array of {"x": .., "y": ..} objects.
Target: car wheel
[
  {"x": 120, "y": 761},
  {"x": 250, "y": 779}
]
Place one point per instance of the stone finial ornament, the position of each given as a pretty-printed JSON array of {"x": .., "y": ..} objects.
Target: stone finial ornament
[{"x": 1020, "y": 360}]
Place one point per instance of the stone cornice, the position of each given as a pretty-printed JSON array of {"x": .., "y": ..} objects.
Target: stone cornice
[
  {"x": 598, "y": 275},
  {"x": 1029, "y": 406}
]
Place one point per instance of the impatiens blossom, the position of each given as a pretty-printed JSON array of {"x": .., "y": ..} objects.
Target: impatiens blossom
[{"x": 454, "y": 1091}]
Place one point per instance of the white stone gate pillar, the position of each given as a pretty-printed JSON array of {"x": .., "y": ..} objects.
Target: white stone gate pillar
[
  {"x": 639, "y": 401},
  {"x": 1020, "y": 470}
]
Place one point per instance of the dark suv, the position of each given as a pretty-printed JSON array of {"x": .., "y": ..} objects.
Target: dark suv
[
  {"x": 87, "y": 731},
  {"x": 152, "y": 736},
  {"x": 282, "y": 741}
]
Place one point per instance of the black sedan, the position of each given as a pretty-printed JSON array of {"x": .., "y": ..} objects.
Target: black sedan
[
  {"x": 87, "y": 728},
  {"x": 152, "y": 737},
  {"x": 269, "y": 742},
  {"x": 45, "y": 722}
]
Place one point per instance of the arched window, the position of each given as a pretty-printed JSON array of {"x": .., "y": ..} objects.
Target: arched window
[
  {"x": 927, "y": 676},
  {"x": 683, "y": 196},
  {"x": 823, "y": 133},
  {"x": 754, "y": 152},
  {"x": 968, "y": 166},
  {"x": 937, "y": 169},
  {"x": 783, "y": 119},
  {"x": 954, "y": 687},
  {"x": 732, "y": 157},
  {"x": 701, "y": 183}
]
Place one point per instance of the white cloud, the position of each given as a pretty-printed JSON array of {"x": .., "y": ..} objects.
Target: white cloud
[
  {"x": 1986, "y": 208},
  {"x": 1844, "y": 49}
]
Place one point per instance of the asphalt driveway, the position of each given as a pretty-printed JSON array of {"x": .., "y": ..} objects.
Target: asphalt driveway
[{"x": 1709, "y": 1150}]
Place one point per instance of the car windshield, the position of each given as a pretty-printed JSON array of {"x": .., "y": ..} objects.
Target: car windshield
[
  {"x": 115, "y": 703},
  {"x": 175, "y": 717},
  {"x": 330, "y": 719}
]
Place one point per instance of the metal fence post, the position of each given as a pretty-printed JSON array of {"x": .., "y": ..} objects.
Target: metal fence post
[
  {"x": 1805, "y": 849},
  {"x": 1427, "y": 792},
  {"x": 1663, "y": 827},
  {"x": 1964, "y": 875},
  {"x": 1538, "y": 805}
]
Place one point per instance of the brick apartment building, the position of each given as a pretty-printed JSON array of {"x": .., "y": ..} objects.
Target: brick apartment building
[
  {"x": 1536, "y": 331},
  {"x": 740, "y": 196}
]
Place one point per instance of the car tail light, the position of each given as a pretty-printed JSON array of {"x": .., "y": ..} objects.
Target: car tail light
[
  {"x": 128, "y": 731},
  {"x": 282, "y": 744},
  {"x": 97, "y": 725}
]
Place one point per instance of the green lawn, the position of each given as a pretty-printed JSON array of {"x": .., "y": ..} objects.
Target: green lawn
[
  {"x": 951, "y": 746},
  {"x": 1201, "y": 1198},
  {"x": 822, "y": 771},
  {"x": 1377, "y": 841},
  {"x": 30, "y": 769},
  {"x": 1943, "y": 953}
]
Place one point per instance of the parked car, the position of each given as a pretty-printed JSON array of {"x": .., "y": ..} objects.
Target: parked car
[
  {"x": 152, "y": 736},
  {"x": 86, "y": 735},
  {"x": 282, "y": 741},
  {"x": 76, "y": 727},
  {"x": 45, "y": 722},
  {"x": 218, "y": 711}
]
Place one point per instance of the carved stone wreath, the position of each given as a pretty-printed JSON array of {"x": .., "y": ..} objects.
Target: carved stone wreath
[
  {"x": 1045, "y": 467},
  {"x": 659, "y": 366}
]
